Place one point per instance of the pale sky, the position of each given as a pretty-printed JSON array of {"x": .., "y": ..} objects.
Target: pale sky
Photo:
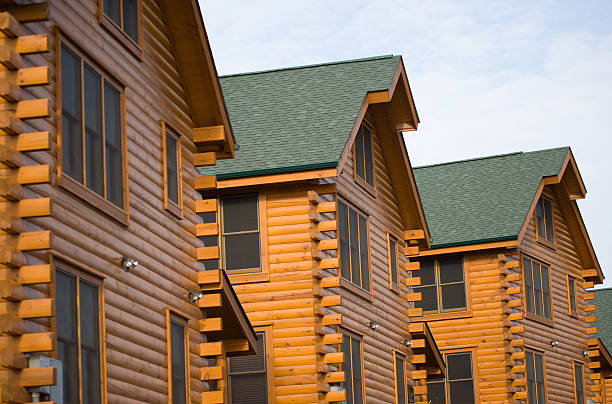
[{"x": 488, "y": 77}]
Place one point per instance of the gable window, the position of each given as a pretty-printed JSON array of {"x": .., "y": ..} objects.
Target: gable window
[
  {"x": 354, "y": 246},
  {"x": 578, "y": 383},
  {"x": 178, "y": 361},
  {"x": 248, "y": 377},
  {"x": 442, "y": 285},
  {"x": 92, "y": 130},
  {"x": 571, "y": 295},
  {"x": 392, "y": 254},
  {"x": 353, "y": 373},
  {"x": 536, "y": 389},
  {"x": 363, "y": 161},
  {"x": 536, "y": 277},
  {"x": 124, "y": 13},
  {"x": 240, "y": 233},
  {"x": 78, "y": 337},
  {"x": 458, "y": 387},
  {"x": 400, "y": 378},
  {"x": 173, "y": 187},
  {"x": 544, "y": 220}
]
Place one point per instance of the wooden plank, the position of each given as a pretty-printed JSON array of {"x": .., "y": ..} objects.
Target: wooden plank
[
  {"x": 28, "y": 44},
  {"x": 413, "y": 281},
  {"x": 34, "y": 240},
  {"x": 29, "y": 12},
  {"x": 205, "y": 182},
  {"x": 209, "y": 134},
  {"x": 212, "y": 300},
  {"x": 32, "y": 109},
  {"x": 417, "y": 234},
  {"x": 33, "y": 76},
  {"x": 211, "y": 348},
  {"x": 206, "y": 206},
  {"x": 211, "y": 373},
  {"x": 212, "y": 397},
  {"x": 236, "y": 345},
  {"x": 206, "y": 229},
  {"x": 211, "y": 325},
  {"x": 9, "y": 26},
  {"x": 207, "y": 277},
  {"x": 204, "y": 159},
  {"x": 207, "y": 253},
  {"x": 38, "y": 174}
]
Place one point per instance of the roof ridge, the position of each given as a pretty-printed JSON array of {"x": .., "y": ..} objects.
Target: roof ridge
[{"x": 309, "y": 66}]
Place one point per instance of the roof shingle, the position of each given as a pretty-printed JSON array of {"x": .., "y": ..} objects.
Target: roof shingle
[{"x": 603, "y": 308}]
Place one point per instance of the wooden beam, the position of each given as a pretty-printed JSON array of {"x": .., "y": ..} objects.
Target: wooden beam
[
  {"x": 206, "y": 206},
  {"x": 414, "y": 234},
  {"x": 204, "y": 159},
  {"x": 205, "y": 182},
  {"x": 30, "y": 12},
  {"x": 9, "y": 26},
  {"x": 277, "y": 178},
  {"x": 34, "y": 240},
  {"x": 210, "y": 134},
  {"x": 33, "y": 76},
  {"x": 28, "y": 44}
]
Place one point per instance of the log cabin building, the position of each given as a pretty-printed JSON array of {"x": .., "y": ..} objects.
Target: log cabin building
[
  {"x": 106, "y": 109},
  {"x": 503, "y": 285},
  {"x": 600, "y": 348},
  {"x": 318, "y": 214}
]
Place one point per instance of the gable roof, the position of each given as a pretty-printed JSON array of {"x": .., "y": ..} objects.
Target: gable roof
[
  {"x": 298, "y": 118},
  {"x": 483, "y": 199},
  {"x": 603, "y": 308}
]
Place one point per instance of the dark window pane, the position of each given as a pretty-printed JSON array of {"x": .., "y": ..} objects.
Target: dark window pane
[
  {"x": 112, "y": 8},
  {"x": 348, "y": 374},
  {"x": 354, "y": 245},
  {"x": 241, "y": 251},
  {"x": 545, "y": 291},
  {"x": 531, "y": 386},
  {"x": 112, "y": 136},
  {"x": 367, "y": 152},
  {"x": 208, "y": 217},
  {"x": 578, "y": 382},
  {"x": 177, "y": 346},
  {"x": 527, "y": 275},
  {"x": 364, "y": 253},
  {"x": 250, "y": 363},
  {"x": 429, "y": 300},
  {"x": 130, "y": 18},
  {"x": 67, "y": 348},
  {"x": 427, "y": 272},
  {"x": 400, "y": 380},
  {"x": 359, "y": 158},
  {"x": 548, "y": 218},
  {"x": 453, "y": 296},
  {"x": 451, "y": 269},
  {"x": 537, "y": 288},
  {"x": 411, "y": 394},
  {"x": 343, "y": 235},
  {"x": 436, "y": 393},
  {"x": 459, "y": 366},
  {"x": 72, "y": 146},
  {"x": 393, "y": 260},
  {"x": 240, "y": 213},
  {"x": 539, "y": 371},
  {"x": 461, "y": 392},
  {"x": 172, "y": 168},
  {"x": 540, "y": 219},
  {"x": 572, "y": 294},
  {"x": 356, "y": 362},
  {"x": 93, "y": 130},
  {"x": 90, "y": 342},
  {"x": 249, "y": 388}
]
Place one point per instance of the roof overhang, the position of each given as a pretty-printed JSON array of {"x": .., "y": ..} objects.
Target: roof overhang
[
  {"x": 424, "y": 343},
  {"x": 605, "y": 359},
  {"x": 198, "y": 71},
  {"x": 568, "y": 186},
  {"x": 470, "y": 246}
]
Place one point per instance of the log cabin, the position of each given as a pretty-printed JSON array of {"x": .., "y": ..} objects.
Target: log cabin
[
  {"x": 107, "y": 107},
  {"x": 600, "y": 348},
  {"x": 503, "y": 284},
  {"x": 318, "y": 214}
]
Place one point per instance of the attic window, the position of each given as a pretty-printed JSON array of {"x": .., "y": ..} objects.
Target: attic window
[
  {"x": 362, "y": 156},
  {"x": 124, "y": 13},
  {"x": 544, "y": 220}
]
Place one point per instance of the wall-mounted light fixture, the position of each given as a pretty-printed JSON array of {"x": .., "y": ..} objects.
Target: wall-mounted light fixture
[
  {"x": 128, "y": 263},
  {"x": 407, "y": 342},
  {"x": 373, "y": 325},
  {"x": 554, "y": 343},
  {"x": 194, "y": 296},
  {"x": 585, "y": 353}
]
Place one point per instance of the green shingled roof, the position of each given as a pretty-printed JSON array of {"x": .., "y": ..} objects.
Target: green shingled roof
[
  {"x": 603, "y": 306},
  {"x": 297, "y": 118},
  {"x": 484, "y": 199}
]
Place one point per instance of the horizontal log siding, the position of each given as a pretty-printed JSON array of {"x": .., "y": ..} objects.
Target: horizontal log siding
[
  {"x": 569, "y": 331},
  {"x": 388, "y": 308},
  {"x": 163, "y": 244}
]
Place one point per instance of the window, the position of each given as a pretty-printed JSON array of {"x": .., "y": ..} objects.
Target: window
[
  {"x": 173, "y": 186},
  {"x": 536, "y": 390},
  {"x": 571, "y": 295},
  {"x": 78, "y": 337},
  {"x": 91, "y": 140},
  {"x": 354, "y": 250},
  {"x": 124, "y": 13},
  {"x": 400, "y": 378},
  {"x": 544, "y": 220},
  {"x": 458, "y": 387},
  {"x": 537, "y": 288},
  {"x": 178, "y": 361},
  {"x": 442, "y": 285},
  {"x": 248, "y": 376},
  {"x": 240, "y": 233},
  {"x": 353, "y": 374},
  {"x": 578, "y": 383},
  {"x": 392, "y": 254},
  {"x": 364, "y": 169}
]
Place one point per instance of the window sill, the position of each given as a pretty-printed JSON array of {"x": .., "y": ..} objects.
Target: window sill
[
  {"x": 93, "y": 199},
  {"x": 367, "y": 187},
  {"x": 541, "y": 320},
  {"x": 446, "y": 316},
  {"x": 395, "y": 288},
  {"x": 356, "y": 290},
  {"x": 546, "y": 243},
  {"x": 174, "y": 209},
  {"x": 237, "y": 279},
  {"x": 121, "y": 36}
]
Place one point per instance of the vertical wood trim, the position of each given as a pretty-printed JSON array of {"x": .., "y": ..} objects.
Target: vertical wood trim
[
  {"x": 394, "y": 353},
  {"x": 187, "y": 363},
  {"x": 175, "y": 208},
  {"x": 168, "y": 353},
  {"x": 78, "y": 321},
  {"x": 58, "y": 102},
  {"x": 179, "y": 172},
  {"x": 104, "y": 190},
  {"x": 263, "y": 234},
  {"x": 124, "y": 154},
  {"x": 81, "y": 61},
  {"x": 390, "y": 267},
  {"x": 102, "y": 344},
  {"x": 164, "y": 164}
]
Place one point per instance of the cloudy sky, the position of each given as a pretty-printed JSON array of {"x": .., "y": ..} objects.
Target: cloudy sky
[{"x": 488, "y": 77}]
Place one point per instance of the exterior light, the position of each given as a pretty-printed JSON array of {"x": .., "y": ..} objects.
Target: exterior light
[
  {"x": 373, "y": 325},
  {"x": 128, "y": 263}
]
